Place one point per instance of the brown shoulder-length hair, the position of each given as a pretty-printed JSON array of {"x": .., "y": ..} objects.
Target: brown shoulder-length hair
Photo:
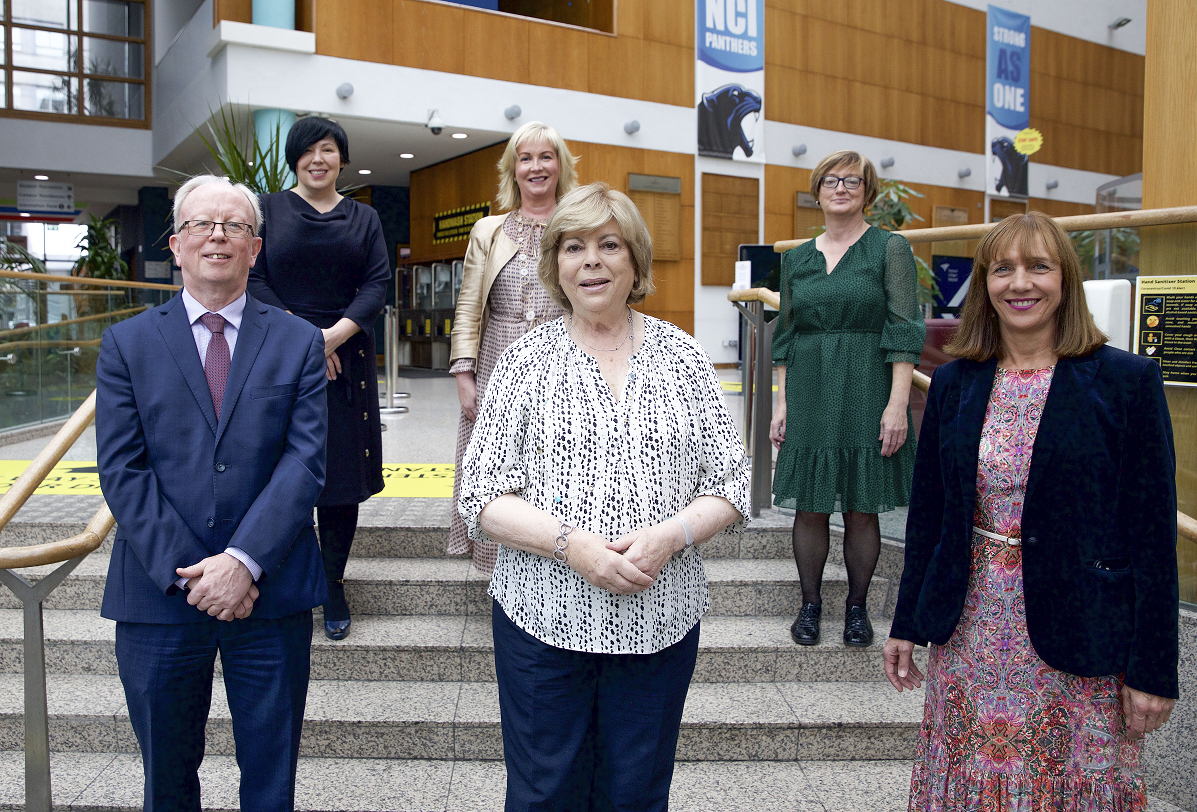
[
  {"x": 978, "y": 338},
  {"x": 853, "y": 162}
]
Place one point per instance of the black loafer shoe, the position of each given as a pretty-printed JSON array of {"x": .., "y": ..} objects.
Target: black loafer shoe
[
  {"x": 858, "y": 631},
  {"x": 337, "y": 629},
  {"x": 805, "y": 630}
]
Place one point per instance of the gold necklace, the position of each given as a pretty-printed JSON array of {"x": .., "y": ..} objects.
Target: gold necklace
[{"x": 601, "y": 349}]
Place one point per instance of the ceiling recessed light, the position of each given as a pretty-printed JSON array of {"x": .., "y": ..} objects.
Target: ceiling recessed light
[
  {"x": 41, "y": 177},
  {"x": 460, "y": 135},
  {"x": 26, "y": 214},
  {"x": 406, "y": 155},
  {"x": 363, "y": 171}
]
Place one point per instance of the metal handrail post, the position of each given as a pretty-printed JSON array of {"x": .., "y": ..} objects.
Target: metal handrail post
[
  {"x": 390, "y": 359},
  {"x": 758, "y": 405},
  {"x": 37, "y": 728}
]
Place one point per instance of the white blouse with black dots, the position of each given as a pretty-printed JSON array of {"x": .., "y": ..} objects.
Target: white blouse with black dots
[{"x": 550, "y": 431}]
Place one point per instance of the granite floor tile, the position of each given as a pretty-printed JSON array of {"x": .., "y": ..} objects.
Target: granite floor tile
[
  {"x": 372, "y": 785},
  {"x": 379, "y": 701},
  {"x": 876, "y": 786},
  {"x": 477, "y": 786},
  {"x": 715, "y": 704},
  {"x": 70, "y": 775},
  {"x": 478, "y": 704},
  {"x": 852, "y": 703},
  {"x": 67, "y": 695},
  {"x": 775, "y": 786}
]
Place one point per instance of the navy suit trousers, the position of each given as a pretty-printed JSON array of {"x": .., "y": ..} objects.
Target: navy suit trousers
[
  {"x": 167, "y": 673},
  {"x": 588, "y": 732}
]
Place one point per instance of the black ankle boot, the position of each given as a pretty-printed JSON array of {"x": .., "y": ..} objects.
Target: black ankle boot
[
  {"x": 805, "y": 630},
  {"x": 858, "y": 631}
]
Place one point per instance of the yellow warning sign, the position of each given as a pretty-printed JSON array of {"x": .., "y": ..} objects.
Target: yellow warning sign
[
  {"x": 83, "y": 479},
  {"x": 1028, "y": 141}
]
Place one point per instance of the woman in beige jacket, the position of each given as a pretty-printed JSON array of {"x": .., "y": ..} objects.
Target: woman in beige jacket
[{"x": 501, "y": 297}]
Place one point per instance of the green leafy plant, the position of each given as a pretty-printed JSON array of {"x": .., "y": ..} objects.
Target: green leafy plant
[
  {"x": 1124, "y": 249},
  {"x": 891, "y": 212},
  {"x": 100, "y": 258},
  {"x": 233, "y": 144},
  {"x": 15, "y": 257}
]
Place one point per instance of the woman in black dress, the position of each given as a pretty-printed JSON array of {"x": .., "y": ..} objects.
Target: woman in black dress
[{"x": 324, "y": 259}]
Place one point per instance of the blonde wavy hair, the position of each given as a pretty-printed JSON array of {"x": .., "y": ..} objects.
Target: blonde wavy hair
[
  {"x": 585, "y": 209},
  {"x": 567, "y": 173}
]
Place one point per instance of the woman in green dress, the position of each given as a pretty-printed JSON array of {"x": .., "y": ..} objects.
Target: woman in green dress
[{"x": 849, "y": 334}]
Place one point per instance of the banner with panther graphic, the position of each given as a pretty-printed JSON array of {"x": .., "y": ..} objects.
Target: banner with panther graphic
[
  {"x": 729, "y": 78},
  {"x": 1008, "y": 106}
]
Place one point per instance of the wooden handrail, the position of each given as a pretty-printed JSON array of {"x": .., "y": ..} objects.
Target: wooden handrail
[
  {"x": 50, "y": 325},
  {"x": 1186, "y": 526},
  {"x": 54, "y": 342},
  {"x": 86, "y": 280},
  {"x": 54, "y": 552},
  {"x": 1080, "y": 222},
  {"x": 47, "y": 458}
]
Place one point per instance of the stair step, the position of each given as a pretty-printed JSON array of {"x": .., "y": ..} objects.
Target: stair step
[
  {"x": 113, "y": 782},
  {"x": 740, "y": 721},
  {"x": 454, "y": 647},
  {"x": 445, "y": 586}
]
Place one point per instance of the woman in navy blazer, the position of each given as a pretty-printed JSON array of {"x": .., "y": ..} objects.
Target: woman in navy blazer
[{"x": 1054, "y": 638}]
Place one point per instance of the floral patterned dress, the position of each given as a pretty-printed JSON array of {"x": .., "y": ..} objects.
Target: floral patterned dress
[{"x": 1002, "y": 730}]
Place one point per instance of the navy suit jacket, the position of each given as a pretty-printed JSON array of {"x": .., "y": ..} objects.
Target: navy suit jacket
[
  {"x": 184, "y": 486},
  {"x": 1098, "y": 523}
]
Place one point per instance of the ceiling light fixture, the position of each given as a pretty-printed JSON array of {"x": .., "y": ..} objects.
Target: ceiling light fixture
[
  {"x": 1121, "y": 21},
  {"x": 406, "y": 155},
  {"x": 460, "y": 135},
  {"x": 363, "y": 171},
  {"x": 41, "y": 177},
  {"x": 26, "y": 214}
]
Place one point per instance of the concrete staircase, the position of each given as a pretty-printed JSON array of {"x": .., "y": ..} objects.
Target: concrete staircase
[{"x": 404, "y": 713}]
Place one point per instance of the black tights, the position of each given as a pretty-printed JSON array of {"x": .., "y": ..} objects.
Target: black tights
[
  {"x": 337, "y": 524},
  {"x": 862, "y": 548}
]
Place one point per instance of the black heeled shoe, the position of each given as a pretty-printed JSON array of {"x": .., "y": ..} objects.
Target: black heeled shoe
[
  {"x": 336, "y": 607},
  {"x": 805, "y": 629},
  {"x": 858, "y": 631}
]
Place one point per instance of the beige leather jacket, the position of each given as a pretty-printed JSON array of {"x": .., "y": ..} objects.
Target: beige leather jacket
[{"x": 489, "y": 250}]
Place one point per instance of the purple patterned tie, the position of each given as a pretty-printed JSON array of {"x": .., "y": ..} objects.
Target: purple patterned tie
[{"x": 216, "y": 360}]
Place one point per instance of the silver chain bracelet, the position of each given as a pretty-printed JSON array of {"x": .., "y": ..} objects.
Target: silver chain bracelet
[{"x": 562, "y": 542}]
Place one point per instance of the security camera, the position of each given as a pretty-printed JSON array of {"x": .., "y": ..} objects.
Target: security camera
[{"x": 435, "y": 122}]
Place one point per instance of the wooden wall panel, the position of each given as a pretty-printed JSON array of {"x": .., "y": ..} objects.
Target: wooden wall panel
[
  {"x": 1170, "y": 179},
  {"x": 729, "y": 219},
  {"x": 356, "y": 29},
  {"x": 472, "y": 178},
  {"x": 238, "y": 11},
  {"x": 651, "y": 59},
  {"x": 915, "y": 72},
  {"x": 428, "y": 36}
]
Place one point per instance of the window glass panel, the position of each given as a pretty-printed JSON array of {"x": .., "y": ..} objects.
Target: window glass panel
[
  {"x": 114, "y": 99},
  {"x": 3, "y": 89},
  {"x": 44, "y": 50},
  {"x": 44, "y": 92},
  {"x": 111, "y": 58},
  {"x": 50, "y": 13},
  {"x": 116, "y": 17},
  {"x": 3, "y": 33}
]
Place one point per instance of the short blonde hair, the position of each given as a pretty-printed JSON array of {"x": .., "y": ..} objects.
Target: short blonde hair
[
  {"x": 856, "y": 163},
  {"x": 978, "y": 338},
  {"x": 585, "y": 209},
  {"x": 203, "y": 180},
  {"x": 567, "y": 173}
]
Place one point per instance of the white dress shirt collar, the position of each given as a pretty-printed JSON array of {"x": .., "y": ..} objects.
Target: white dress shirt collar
[{"x": 232, "y": 312}]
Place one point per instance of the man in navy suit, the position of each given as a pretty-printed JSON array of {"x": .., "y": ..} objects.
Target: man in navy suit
[{"x": 210, "y": 424}]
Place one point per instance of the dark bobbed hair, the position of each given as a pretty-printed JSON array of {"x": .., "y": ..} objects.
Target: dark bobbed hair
[
  {"x": 310, "y": 129},
  {"x": 978, "y": 338}
]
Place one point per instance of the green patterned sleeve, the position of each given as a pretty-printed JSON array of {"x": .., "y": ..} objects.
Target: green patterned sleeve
[
  {"x": 783, "y": 327},
  {"x": 905, "y": 330}
]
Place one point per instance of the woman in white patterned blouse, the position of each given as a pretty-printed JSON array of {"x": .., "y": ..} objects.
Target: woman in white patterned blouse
[{"x": 603, "y": 453}]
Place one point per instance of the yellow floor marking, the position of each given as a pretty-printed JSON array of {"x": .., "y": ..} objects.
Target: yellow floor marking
[
  {"x": 731, "y": 386},
  {"x": 83, "y": 479}
]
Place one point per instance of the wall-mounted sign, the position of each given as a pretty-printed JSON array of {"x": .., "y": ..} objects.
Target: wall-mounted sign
[
  {"x": 729, "y": 78},
  {"x": 1008, "y": 102},
  {"x": 39, "y": 196},
  {"x": 1166, "y": 326},
  {"x": 952, "y": 275},
  {"x": 454, "y": 225}
]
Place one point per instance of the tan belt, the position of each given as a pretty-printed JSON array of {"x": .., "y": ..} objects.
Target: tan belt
[{"x": 1013, "y": 542}]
